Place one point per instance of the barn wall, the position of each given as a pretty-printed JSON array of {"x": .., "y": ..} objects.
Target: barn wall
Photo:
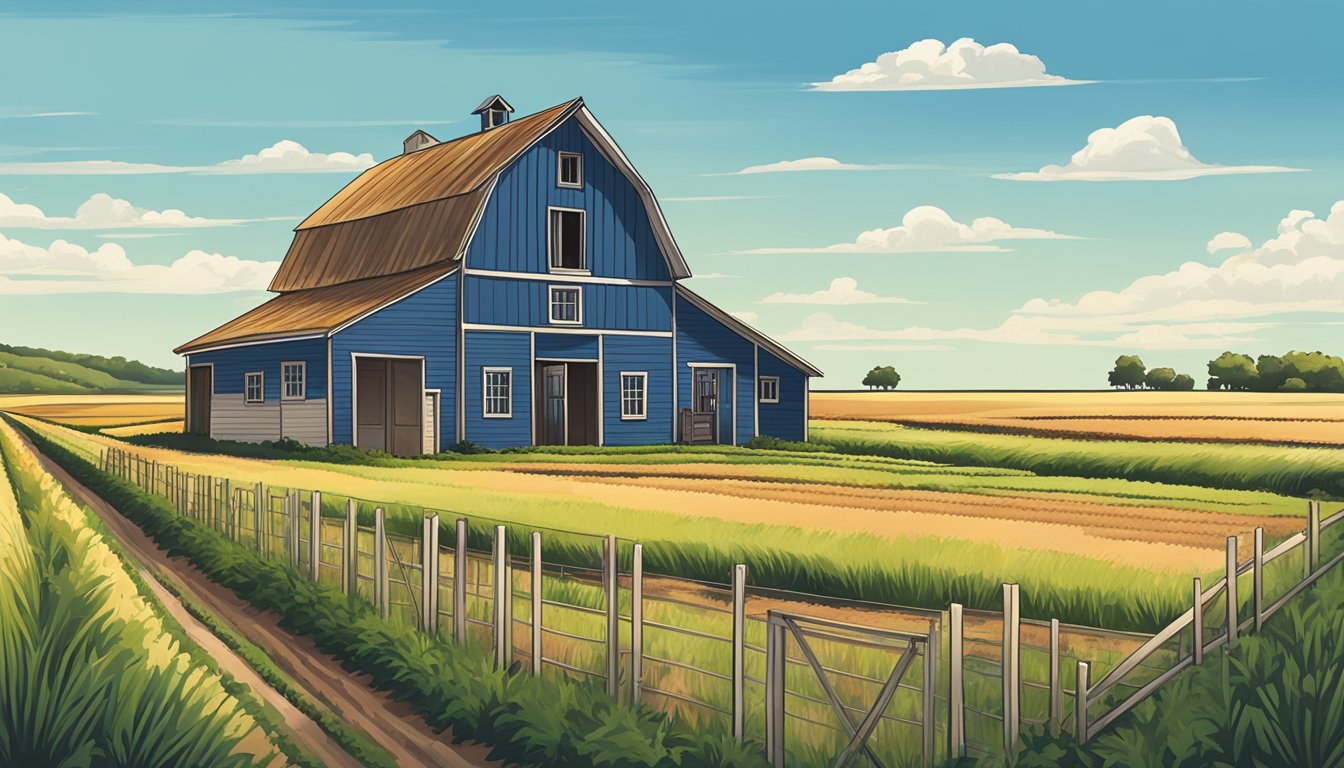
[
  {"x": 506, "y": 301},
  {"x": 703, "y": 339},
  {"x": 233, "y": 419},
  {"x": 651, "y": 355},
  {"x": 787, "y": 418},
  {"x": 498, "y": 349}
]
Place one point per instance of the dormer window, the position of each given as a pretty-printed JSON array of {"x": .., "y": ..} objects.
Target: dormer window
[
  {"x": 567, "y": 240},
  {"x": 494, "y": 112},
  {"x": 570, "y": 173}
]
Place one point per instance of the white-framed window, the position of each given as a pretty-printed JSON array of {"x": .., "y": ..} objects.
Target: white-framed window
[
  {"x": 497, "y": 393},
  {"x": 254, "y": 387},
  {"x": 769, "y": 389},
  {"x": 294, "y": 381},
  {"x": 567, "y": 239},
  {"x": 566, "y": 304},
  {"x": 634, "y": 395},
  {"x": 569, "y": 172}
]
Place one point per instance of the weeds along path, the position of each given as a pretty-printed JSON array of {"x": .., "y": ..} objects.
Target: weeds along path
[{"x": 391, "y": 724}]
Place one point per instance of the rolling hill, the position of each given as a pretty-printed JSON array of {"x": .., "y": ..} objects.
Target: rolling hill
[{"x": 31, "y": 370}]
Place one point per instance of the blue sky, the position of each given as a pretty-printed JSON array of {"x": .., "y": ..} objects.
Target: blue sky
[{"x": 1224, "y": 120}]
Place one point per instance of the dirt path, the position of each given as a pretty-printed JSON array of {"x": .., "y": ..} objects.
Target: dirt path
[{"x": 391, "y": 724}]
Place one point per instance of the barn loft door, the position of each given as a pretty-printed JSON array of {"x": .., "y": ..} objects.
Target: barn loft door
[{"x": 389, "y": 405}]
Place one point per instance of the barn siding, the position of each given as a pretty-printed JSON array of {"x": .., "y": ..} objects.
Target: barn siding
[
  {"x": 785, "y": 419},
  {"x": 232, "y": 419},
  {"x": 703, "y": 339},
  {"x": 506, "y": 301},
  {"x": 511, "y": 236},
  {"x": 423, "y": 323},
  {"x": 498, "y": 349},
  {"x": 651, "y": 355},
  {"x": 566, "y": 346}
]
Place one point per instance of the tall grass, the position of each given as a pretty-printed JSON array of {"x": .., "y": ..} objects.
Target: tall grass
[
  {"x": 88, "y": 675},
  {"x": 1314, "y": 472}
]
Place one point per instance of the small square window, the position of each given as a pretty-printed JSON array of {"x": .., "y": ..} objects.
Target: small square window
[
  {"x": 634, "y": 395},
  {"x": 254, "y": 390},
  {"x": 566, "y": 305},
  {"x": 570, "y": 173},
  {"x": 769, "y": 389},
  {"x": 293, "y": 381},
  {"x": 498, "y": 393},
  {"x": 567, "y": 240}
]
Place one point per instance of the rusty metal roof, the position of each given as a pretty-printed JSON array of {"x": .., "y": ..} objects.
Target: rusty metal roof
[{"x": 317, "y": 310}]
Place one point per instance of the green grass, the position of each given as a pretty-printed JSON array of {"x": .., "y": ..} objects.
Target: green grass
[
  {"x": 89, "y": 673},
  {"x": 1293, "y": 471}
]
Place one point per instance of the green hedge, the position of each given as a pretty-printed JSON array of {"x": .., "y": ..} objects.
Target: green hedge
[{"x": 527, "y": 721}]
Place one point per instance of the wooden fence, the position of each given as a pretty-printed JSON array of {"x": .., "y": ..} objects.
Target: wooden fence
[{"x": 816, "y": 679}]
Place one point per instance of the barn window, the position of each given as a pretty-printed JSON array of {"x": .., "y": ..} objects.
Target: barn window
[
  {"x": 293, "y": 381},
  {"x": 769, "y": 389},
  {"x": 253, "y": 389},
  {"x": 634, "y": 395},
  {"x": 570, "y": 172},
  {"x": 498, "y": 393},
  {"x": 567, "y": 240},
  {"x": 566, "y": 305}
]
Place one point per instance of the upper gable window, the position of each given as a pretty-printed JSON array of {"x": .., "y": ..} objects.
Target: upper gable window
[
  {"x": 570, "y": 172},
  {"x": 567, "y": 240}
]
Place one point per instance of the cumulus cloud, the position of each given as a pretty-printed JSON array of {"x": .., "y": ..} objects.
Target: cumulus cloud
[
  {"x": 102, "y": 211},
  {"x": 929, "y": 229},
  {"x": 64, "y": 267},
  {"x": 929, "y": 65},
  {"x": 842, "y": 291},
  {"x": 1145, "y": 148},
  {"x": 284, "y": 156},
  {"x": 808, "y": 164},
  {"x": 750, "y": 318},
  {"x": 1226, "y": 240}
]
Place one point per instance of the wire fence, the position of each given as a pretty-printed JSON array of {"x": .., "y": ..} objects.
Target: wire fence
[{"x": 815, "y": 679}]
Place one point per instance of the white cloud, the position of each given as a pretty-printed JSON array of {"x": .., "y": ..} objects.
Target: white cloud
[
  {"x": 32, "y": 115},
  {"x": 1225, "y": 240},
  {"x": 102, "y": 211},
  {"x": 1141, "y": 148},
  {"x": 808, "y": 164},
  {"x": 842, "y": 291},
  {"x": 928, "y": 65},
  {"x": 884, "y": 347},
  {"x": 64, "y": 267},
  {"x": 929, "y": 229},
  {"x": 284, "y": 156},
  {"x": 750, "y": 318}
]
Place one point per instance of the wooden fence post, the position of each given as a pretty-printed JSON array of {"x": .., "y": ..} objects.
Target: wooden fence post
[
  {"x": 535, "y": 592},
  {"x": 1231, "y": 592},
  {"x": 609, "y": 570},
  {"x": 315, "y": 535},
  {"x": 499, "y": 560},
  {"x": 460, "y": 583},
  {"x": 1258, "y": 579},
  {"x": 1312, "y": 554},
  {"x": 1197, "y": 622},
  {"x": 929, "y": 690},
  {"x": 1012, "y": 675},
  {"x": 739, "y": 651},
  {"x": 380, "y": 597},
  {"x": 258, "y": 509},
  {"x": 350, "y": 551},
  {"x": 295, "y": 529},
  {"x": 956, "y": 693},
  {"x": 1080, "y": 705},
  {"x": 637, "y": 625},
  {"x": 776, "y": 681},
  {"x": 429, "y": 575},
  {"x": 1056, "y": 681}
]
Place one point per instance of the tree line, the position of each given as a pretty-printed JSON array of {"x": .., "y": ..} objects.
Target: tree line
[
  {"x": 1292, "y": 372},
  {"x": 1130, "y": 373}
]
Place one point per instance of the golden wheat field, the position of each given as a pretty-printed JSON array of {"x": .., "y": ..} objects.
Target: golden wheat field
[
  {"x": 96, "y": 410},
  {"x": 1272, "y": 417}
]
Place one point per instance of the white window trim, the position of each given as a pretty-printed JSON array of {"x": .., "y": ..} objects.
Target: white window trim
[
  {"x": 550, "y": 304},
  {"x": 485, "y": 392},
  {"x": 644, "y": 390},
  {"x": 260, "y": 375},
  {"x": 761, "y": 392},
  {"x": 583, "y": 242},
  {"x": 303, "y": 366},
  {"x": 559, "y": 167}
]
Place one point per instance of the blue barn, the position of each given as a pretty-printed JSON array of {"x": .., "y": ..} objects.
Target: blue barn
[{"x": 516, "y": 286}]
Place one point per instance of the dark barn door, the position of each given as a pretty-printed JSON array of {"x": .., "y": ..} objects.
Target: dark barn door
[
  {"x": 553, "y": 391},
  {"x": 389, "y": 405},
  {"x": 705, "y": 407},
  {"x": 202, "y": 386}
]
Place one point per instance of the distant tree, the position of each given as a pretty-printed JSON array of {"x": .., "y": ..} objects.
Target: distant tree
[
  {"x": 1233, "y": 371},
  {"x": 882, "y": 377},
  {"x": 1318, "y": 371},
  {"x": 1293, "y": 384},
  {"x": 1183, "y": 382},
  {"x": 1127, "y": 373},
  {"x": 1159, "y": 378},
  {"x": 1270, "y": 373}
]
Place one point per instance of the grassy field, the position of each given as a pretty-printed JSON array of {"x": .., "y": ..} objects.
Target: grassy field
[
  {"x": 97, "y": 410},
  {"x": 1233, "y": 417},
  {"x": 91, "y": 671}
]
